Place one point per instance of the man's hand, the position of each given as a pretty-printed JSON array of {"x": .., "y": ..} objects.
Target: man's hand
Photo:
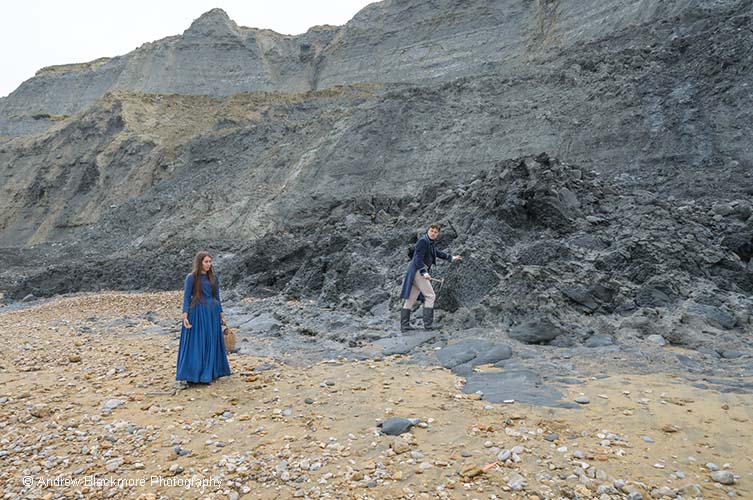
[
  {"x": 457, "y": 257},
  {"x": 427, "y": 276}
]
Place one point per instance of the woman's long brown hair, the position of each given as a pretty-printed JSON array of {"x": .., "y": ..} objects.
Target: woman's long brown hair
[{"x": 197, "y": 278}]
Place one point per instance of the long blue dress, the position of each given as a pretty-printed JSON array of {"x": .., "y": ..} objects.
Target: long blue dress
[{"x": 201, "y": 354}]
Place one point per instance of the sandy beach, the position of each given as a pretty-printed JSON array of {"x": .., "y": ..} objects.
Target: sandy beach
[{"x": 90, "y": 409}]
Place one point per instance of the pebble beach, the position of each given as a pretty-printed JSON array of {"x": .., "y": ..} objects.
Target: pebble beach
[{"x": 91, "y": 409}]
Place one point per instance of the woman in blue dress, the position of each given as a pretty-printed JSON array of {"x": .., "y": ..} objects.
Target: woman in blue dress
[{"x": 201, "y": 354}]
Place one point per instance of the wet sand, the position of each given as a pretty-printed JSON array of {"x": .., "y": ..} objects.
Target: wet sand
[{"x": 291, "y": 432}]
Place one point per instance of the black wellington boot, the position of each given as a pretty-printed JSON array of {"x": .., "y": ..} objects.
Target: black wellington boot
[
  {"x": 429, "y": 319},
  {"x": 405, "y": 320}
]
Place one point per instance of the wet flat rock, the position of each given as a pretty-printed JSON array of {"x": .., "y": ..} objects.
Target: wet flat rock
[
  {"x": 462, "y": 356},
  {"x": 404, "y": 344},
  {"x": 524, "y": 386}
]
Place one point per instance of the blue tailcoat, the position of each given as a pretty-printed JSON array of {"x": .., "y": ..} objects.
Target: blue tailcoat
[{"x": 424, "y": 256}]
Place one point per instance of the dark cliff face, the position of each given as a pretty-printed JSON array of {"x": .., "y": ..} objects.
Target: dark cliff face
[
  {"x": 660, "y": 102},
  {"x": 387, "y": 42},
  {"x": 350, "y": 139}
]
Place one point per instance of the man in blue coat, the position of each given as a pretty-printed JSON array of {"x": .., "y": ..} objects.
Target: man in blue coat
[{"x": 418, "y": 280}]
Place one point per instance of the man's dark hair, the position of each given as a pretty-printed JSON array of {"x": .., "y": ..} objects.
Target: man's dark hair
[{"x": 435, "y": 226}]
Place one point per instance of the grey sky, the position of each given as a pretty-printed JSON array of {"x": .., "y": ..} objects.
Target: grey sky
[{"x": 39, "y": 33}]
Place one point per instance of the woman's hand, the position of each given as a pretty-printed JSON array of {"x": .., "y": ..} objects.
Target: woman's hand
[
  {"x": 186, "y": 324},
  {"x": 222, "y": 319}
]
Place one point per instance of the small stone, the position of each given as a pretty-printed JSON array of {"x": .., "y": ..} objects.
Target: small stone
[
  {"x": 114, "y": 464},
  {"x": 504, "y": 455},
  {"x": 606, "y": 489},
  {"x": 723, "y": 477},
  {"x": 281, "y": 467},
  {"x": 567, "y": 492},
  {"x": 40, "y": 410},
  {"x": 551, "y": 437},
  {"x": 74, "y": 358},
  {"x": 581, "y": 491},
  {"x": 308, "y": 401},
  {"x": 471, "y": 471},
  {"x": 690, "y": 491},
  {"x": 396, "y": 426},
  {"x": 657, "y": 339},
  {"x": 647, "y": 439},
  {"x": 583, "y": 400},
  {"x": 111, "y": 404},
  {"x": 632, "y": 492},
  {"x": 664, "y": 491},
  {"x": 182, "y": 452},
  {"x": 399, "y": 446},
  {"x": 516, "y": 482}
]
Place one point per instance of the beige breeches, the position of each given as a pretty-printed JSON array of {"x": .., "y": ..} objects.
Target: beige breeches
[{"x": 420, "y": 285}]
